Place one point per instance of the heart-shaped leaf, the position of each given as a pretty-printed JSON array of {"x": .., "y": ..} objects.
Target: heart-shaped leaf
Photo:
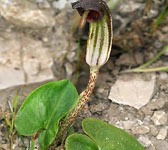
[
  {"x": 43, "y": 109},
  {"x": 80, "y": 142},
  {"x": 104, "y": 136}
]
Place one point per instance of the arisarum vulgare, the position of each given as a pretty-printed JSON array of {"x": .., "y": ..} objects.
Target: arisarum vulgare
[{"x": 99, "y": 44}]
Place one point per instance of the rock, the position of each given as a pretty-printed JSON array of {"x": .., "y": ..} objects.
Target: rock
[
  {"x": 155, "y": 104},
  {"x": 159, "y": 144},
  {"x": 140, "y": 129},
  {"x": 71, "y": 56},
  {"x": 60, "y": 4},
  {"x": 163, "y": 75},
  {"x": 159, "y": 118},
  {"x": 133, "y": 90},
  {"x": 153, "y": 130},
  {"x": 25, "y": 14},
  {"x": 23, "y": 61},
  {"x": 69, "y": 69},
  {"x": 152, "y": 13},
  {"x": 43, "y": 4},
  {"x": 127, "y": 124},
  {"x": 144, "y": 140},
  {"x": 162, "y": 134},
  {"x": 157, "y": 44},
  {"x": 128, "y": 60},
  {"x": 110, "y": 65},
  {"x": 130, "y": 6},
  {"x": 100, "y": 106}
]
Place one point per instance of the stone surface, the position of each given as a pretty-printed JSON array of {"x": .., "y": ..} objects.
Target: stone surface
[
  {"x": 144, "y": 140},
  {"x": 60, "y": 4},
  {"x": 140, "y": 129},
  {"x": 25, "y": 14},
  {"x": 127, "y": 124},
  {"x": 134, "y": 90},
  {"x": 153, "y": 130},
  {"x": 100, "y": 106},
  {"x": 69, "y": 69},
  {"x": 163, "y": 75},
  {"x": 23, "y": 61},
  {"x": 128, "y": 60},
  {"x": 159, "y": 118},
  {"x": 159, "y": 144},
  {"x": 162, "y": 134}
]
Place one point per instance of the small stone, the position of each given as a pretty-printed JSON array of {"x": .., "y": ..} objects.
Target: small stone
[
  {"x": 113, "y": 110},
  {"x": 130, "y": 6},
  {"x": 152, "y": 13},
  {"x": 128, "y": 60},
  {"x": 144, "y": 140},
  {"x": 163, "y": 75},
  {"x": 153, "y": 130},
  {"x": 25, "y": 14},
  {"x": 165, "y": 29},
  {"x": 43, "y": 4},
  {"x": 127, "y": 124},
  {"x": 110, "y": 65},
  {"x": 155, "y": 104},
  {"x": 159, "y": 144},
  {"x": 135, "y": 90},
  {"x": 71, "y": 56},
  {"x": 140, "y": 129},
  {"x": 45, "y": 39},
  {"x": 69, "y": 68},
  {"x": 60, "y": 4},
  {"x": 98, "y": 107},
  {"x": 157, "y": 44},
  {"x": 159, "y": 118},
  {"x": 162, "y": 134}
]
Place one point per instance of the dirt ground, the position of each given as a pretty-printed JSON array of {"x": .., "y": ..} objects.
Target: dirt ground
[{"x": 133, "y": 45}]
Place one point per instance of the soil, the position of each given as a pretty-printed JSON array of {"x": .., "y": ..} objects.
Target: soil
[{"x": 132, "y": 35}]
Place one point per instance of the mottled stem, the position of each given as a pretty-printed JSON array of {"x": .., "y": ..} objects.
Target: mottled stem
[{"x": 84, "y": 97}]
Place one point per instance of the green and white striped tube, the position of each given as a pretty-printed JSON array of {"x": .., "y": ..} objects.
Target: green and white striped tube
[{"x": 99, "y": 42}]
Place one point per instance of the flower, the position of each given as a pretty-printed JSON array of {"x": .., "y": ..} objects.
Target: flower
[{"x": 100, "y": 33}]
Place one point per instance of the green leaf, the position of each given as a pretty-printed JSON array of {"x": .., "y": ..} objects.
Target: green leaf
[
  {"x": 43, "y": 109},
  {"x": 108, "y": 137},
  {"x": 80, "y": 142},
  {"x": 101, "y": 136}
]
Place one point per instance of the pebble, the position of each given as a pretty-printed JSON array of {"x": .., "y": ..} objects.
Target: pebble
[
  {"x": 144, "y": 140},
  {"x": 153, "y": 130},
  {"x": 98, "y": 107},
  {"x": 159, "y": 144},
  {"x": 69, "y": 68},
  {"x": 43, "y": 4},
  {"x": 60, "y": 4},
  {"x": 25, "y": 14},
  {"x": 157, "y": 44},
  {"x": 163, "y": 75},
  {"x": 159, "y": 118},
  {"x": 71, "y": 56},
  {"x": 152, "y": 13},
  {"x": 127, "y": 124},
  {"x": 133, "y": 90},
  {"x": 162, "y": 134},
  {"x": 140, "y": 129},
  {"x": 128, "y": 60}
]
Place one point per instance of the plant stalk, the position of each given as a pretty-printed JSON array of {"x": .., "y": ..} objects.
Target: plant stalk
[{"x": 84, "y": 97}]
